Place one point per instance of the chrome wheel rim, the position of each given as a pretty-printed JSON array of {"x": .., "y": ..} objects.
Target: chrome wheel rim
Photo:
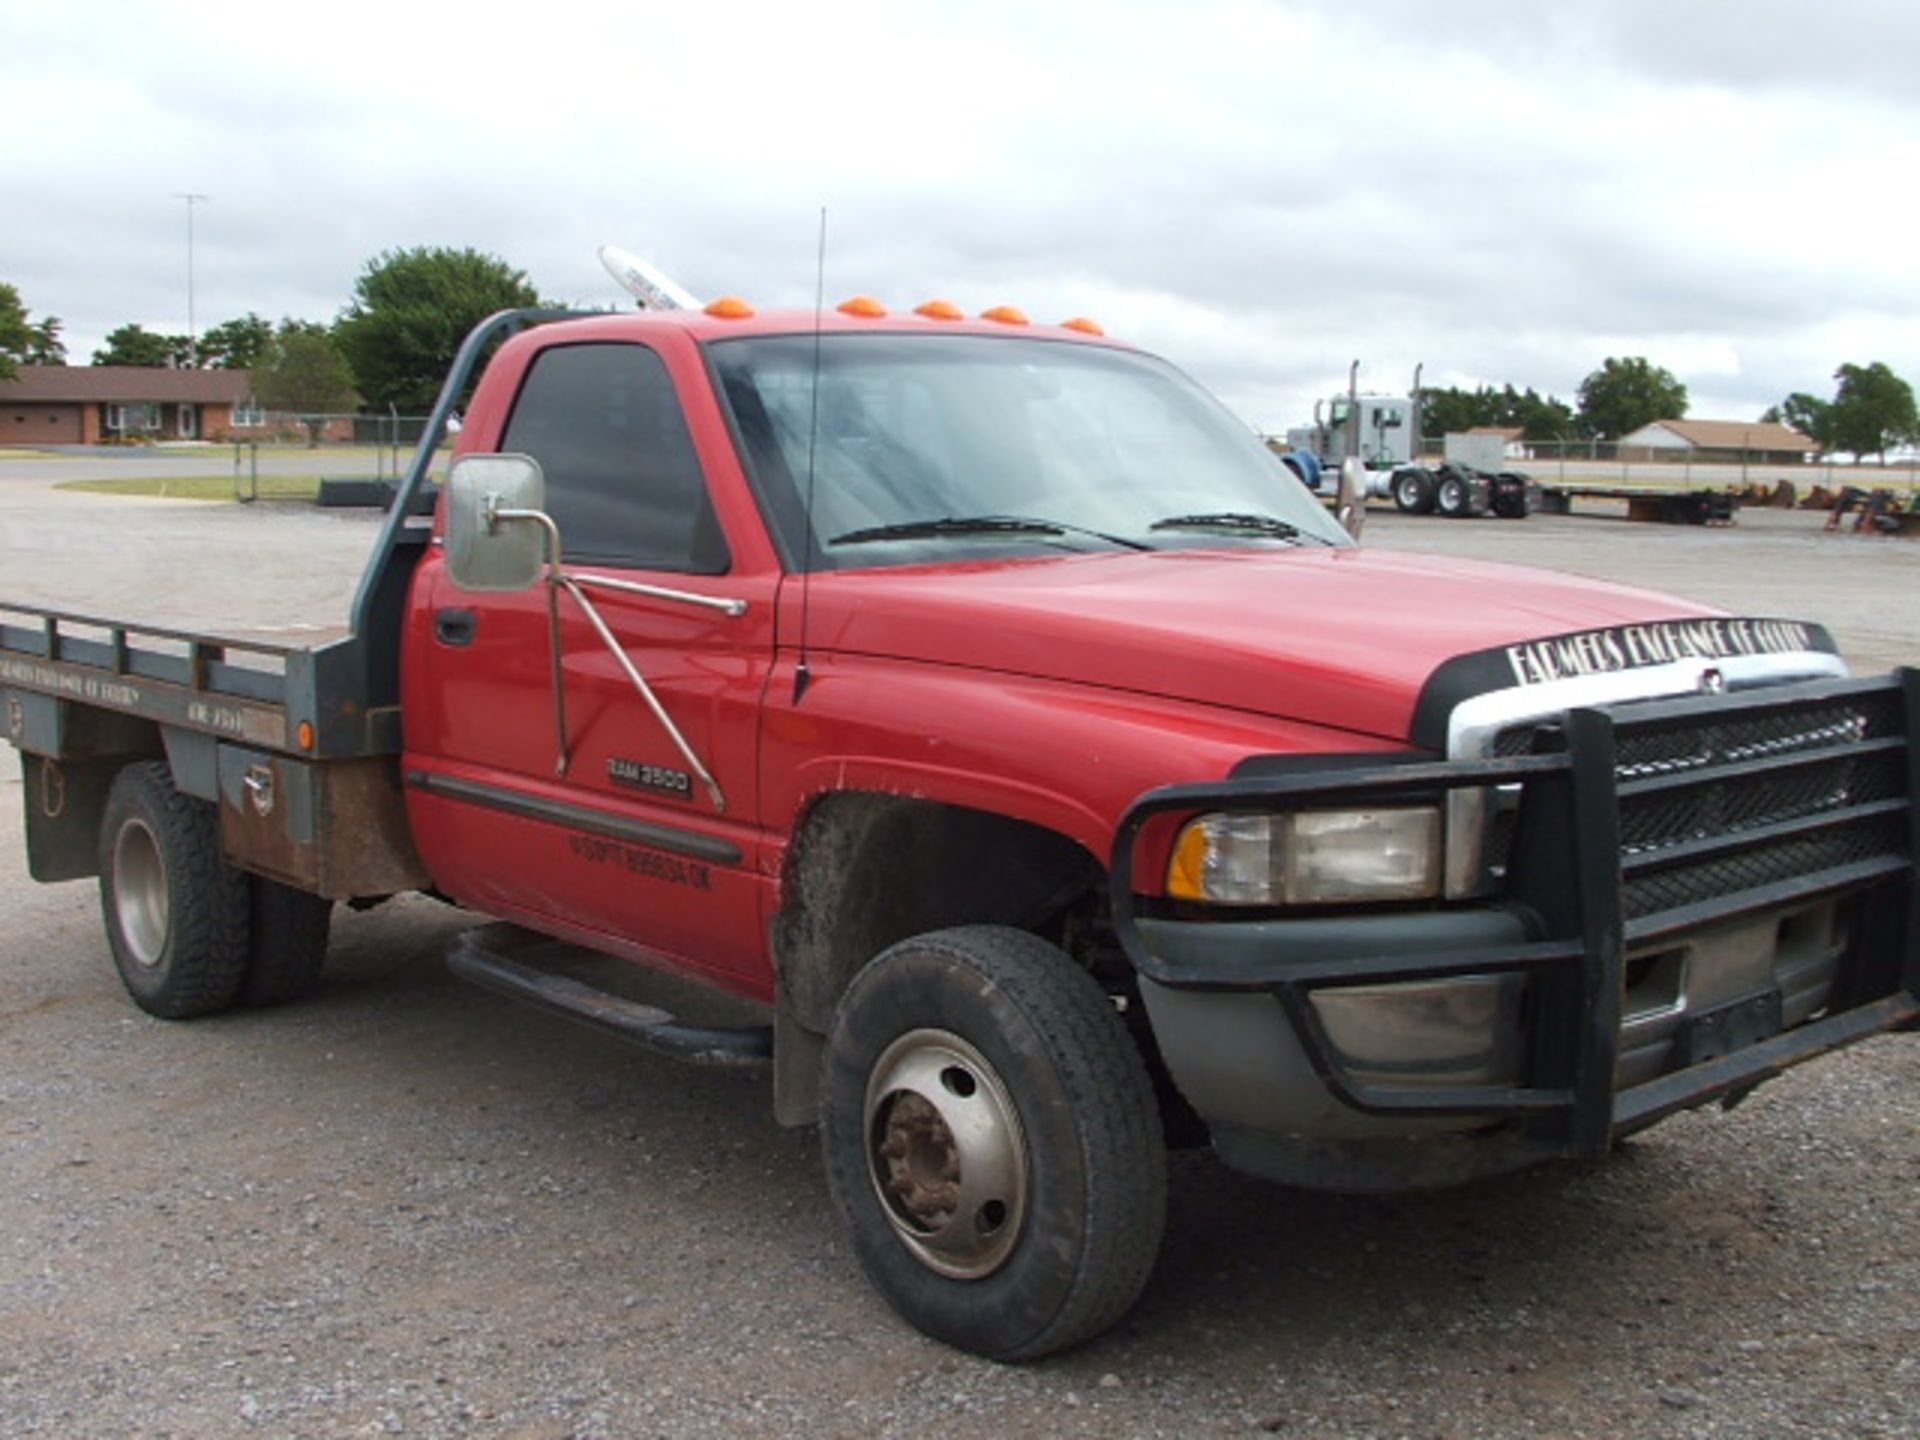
[
  {"x": 140, "y": 902},
  {"x": 946, "y": 1154}
]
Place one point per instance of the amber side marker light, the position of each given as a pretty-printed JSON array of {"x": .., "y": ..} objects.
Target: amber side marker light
[
  {"x": 304, "y": 735},
  {"x": 1006, "y": 315},
  {"x": 863, "y": 307},
  {"x": 730, "y": 307},
  {"x": 940, "y": 310},
  {"x": 1084, "y": 325}
]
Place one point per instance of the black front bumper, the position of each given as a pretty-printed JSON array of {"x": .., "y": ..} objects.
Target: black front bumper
[{"x": 1637, "y": 827}]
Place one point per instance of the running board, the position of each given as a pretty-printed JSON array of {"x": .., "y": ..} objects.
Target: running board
[{"x": 496, "y": 957}]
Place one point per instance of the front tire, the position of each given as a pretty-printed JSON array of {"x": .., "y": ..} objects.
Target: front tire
[
  {"x": 176, "y": 913},
  {"x": 992, "y": 1142}
]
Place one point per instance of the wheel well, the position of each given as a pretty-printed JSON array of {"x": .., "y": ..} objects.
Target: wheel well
[{"x": 866, "y": 870}]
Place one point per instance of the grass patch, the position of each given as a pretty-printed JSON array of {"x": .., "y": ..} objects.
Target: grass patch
[{"x": 199, "y": 487}]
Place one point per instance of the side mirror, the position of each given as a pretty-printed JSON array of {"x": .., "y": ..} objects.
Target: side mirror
[
  {"x": 1351, "y": 505},
  {"x": 489, "y": 545}
]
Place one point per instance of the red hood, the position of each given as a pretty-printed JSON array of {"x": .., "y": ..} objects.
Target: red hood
[{"x": 1341, "y": 638}]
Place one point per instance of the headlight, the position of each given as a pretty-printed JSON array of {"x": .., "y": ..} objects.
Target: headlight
[{"x": 1315, "y": 857}]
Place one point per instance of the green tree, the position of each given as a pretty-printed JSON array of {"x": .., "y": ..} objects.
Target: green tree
[
  {"x": 1624, "y": 394},
  {"x": 236, "y": 344},
  {"x": 411, "y": 309},
  {"x": 16, "y": 332},
  {"x": 303, "y": 373},
  {"x": 1809, "y": 414},
  {"x": 1447, "y": 411},
  {"x": 1540, "y": 417},
  {"x": 23, "y": 340},
  {"x": 133, "y": 344},
  {"x": 44, "y": 345},
  {"x": 1872, "y": 410}
]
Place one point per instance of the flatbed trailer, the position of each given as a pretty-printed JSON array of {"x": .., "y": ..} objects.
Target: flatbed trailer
[{"x": 1665, "y": 507}]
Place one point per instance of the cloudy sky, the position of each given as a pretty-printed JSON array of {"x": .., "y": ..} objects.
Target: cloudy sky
[{"x": 1505, "y": 191}]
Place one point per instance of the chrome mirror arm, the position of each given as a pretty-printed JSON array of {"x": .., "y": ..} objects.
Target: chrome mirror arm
[
  {"x": 723, "y": 604},
  {"x": 493, "y": 515},
  {"x": 645, "y": 690},
  {"x": 557, "y": 580}
]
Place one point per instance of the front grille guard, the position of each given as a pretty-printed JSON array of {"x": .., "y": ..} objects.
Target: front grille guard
[{"x": 1573, "y": 881}]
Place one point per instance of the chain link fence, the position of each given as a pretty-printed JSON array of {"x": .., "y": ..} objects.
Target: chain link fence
[{"x": 370, "y": 449}]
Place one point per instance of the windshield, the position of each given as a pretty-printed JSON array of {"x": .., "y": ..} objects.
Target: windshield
[{"x": 943, "y": 447}]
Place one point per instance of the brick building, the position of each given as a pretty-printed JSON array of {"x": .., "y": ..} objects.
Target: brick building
[
  {"x": 90, "y": 404},
  {"x": 1757, "y": 441}
]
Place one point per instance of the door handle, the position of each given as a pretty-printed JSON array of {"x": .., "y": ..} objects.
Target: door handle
[{"x": 454, "y": 627}]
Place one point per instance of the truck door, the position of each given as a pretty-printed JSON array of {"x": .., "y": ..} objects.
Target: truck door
[{"x": 609, "y": 835}]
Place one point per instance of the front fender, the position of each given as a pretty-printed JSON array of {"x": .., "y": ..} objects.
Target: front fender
[{"x": 1070, "y": 758}]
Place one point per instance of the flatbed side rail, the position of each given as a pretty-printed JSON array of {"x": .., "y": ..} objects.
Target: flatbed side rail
[{"x": 243, "y": 689}]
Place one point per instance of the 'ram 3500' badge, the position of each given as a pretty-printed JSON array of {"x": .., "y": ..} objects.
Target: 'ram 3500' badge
[{"x": 660, "y": 779}]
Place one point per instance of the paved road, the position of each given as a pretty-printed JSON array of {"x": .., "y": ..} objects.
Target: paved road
[
  {"x": 90, "y": 462},
  {"x": 267, "y": 567}
]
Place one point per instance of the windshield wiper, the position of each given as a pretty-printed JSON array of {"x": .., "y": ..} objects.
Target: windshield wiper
[
  {"x": 976, "y": 525},
  {"x": 1233, "y": 520}
]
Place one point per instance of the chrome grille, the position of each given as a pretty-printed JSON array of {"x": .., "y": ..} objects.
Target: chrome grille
[
  {"x": 1714, "y": 804},
  {"x": 1714, "y": 799}
]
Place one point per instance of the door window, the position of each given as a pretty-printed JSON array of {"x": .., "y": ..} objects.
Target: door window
[{"x": 623, "y": 482}]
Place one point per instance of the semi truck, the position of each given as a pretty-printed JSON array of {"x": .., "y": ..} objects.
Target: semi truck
[
  {"x": 1383, "y": 425},
  {"x": 1381, "y": 433},
  {"x": 965, "y": 696}
]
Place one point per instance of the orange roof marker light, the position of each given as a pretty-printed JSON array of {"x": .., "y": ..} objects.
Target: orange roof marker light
[
  {"x": 1084, "y": 325},
  {"x": 864, "y": 307},
  {"x": 1006, "y": 315},
  {"x": 940, "y": 310},
  {"x": 730, "y": 307}
]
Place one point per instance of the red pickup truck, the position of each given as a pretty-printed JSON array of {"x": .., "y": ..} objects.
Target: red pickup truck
[{"x": 989, "y": 708}]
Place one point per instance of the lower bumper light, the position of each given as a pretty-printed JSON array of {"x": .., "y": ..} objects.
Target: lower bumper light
[{"x": 1427, "y": 1034}]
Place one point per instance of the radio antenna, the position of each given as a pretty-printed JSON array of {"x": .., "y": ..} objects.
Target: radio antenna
[{"x": 802, "y": 674}]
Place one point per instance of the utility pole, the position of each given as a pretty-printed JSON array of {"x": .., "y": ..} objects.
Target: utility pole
[{"x": 193, "y": 335}]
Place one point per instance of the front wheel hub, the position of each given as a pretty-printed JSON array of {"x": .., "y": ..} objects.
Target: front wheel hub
[{"x": 946, "y": 1154}]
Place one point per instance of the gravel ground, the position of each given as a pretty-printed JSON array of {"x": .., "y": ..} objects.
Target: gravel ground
[{"x": 407, "y": 1207}]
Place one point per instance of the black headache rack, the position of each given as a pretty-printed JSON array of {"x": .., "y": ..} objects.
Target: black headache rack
[
  {"x": 1635, "y": 823},
  {"x": 344, "y": 696}
]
